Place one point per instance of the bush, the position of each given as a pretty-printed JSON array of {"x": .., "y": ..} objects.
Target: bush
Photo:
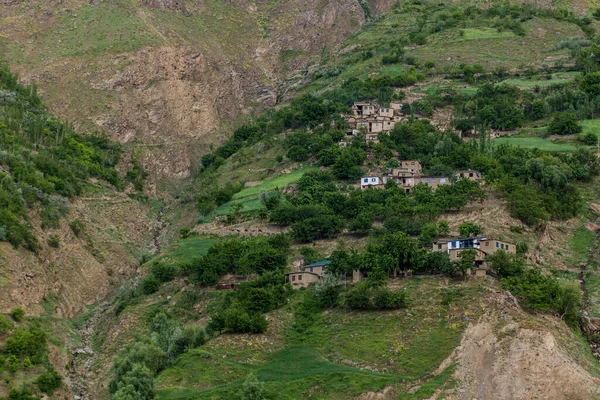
[
  {"x": 258, "y": 324},
  {"x": 77, "y": 226},
  {"x": 17, "y": 314},
  {"x": 5, "y": 324},
  {"x": 150, "y": 284},
  {"x": 564, "y": 123},
  {"x": 30, "y": 342},
  {"x": 468, "y": 229},
  {"x": 162, "y": 272},
  {"x": 53, "y": 241},
  {"x": 358, "y": 297},
  {"x": 49, "y": 381},
  {"x": 385, "y": 299},
  {"x": 252, "y": 389}
]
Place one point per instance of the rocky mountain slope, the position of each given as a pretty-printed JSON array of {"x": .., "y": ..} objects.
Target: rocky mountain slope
[{"x": 169, "y": 77}]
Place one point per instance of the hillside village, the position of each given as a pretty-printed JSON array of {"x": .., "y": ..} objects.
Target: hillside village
[{"x": 342, "y": 200}]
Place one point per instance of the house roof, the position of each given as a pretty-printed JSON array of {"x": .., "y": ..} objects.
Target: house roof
[{"x": 319, "y": 263}]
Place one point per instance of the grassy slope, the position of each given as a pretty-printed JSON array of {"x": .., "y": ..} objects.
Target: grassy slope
[{"x": 342, "y": 355}]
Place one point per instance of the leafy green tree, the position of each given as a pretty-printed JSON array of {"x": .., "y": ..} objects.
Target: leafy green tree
[
  {"x": 362, "y": 224},
  {"x": 504, "y": 264},
  {"x": 136, "y": 384},
  {"x": 466, "y": 261},
  {"x": 590, "y": 83},
  {"x": 569, "y": 303},
  {"x": 49, "y": 381},
  {"x": 564, "y": 123},
  {"x": 468, "y": 229},
  {"x": 428, "y": 234},
  {"x": 252, "y": 389},
  {"x": 443, "y": 228}
]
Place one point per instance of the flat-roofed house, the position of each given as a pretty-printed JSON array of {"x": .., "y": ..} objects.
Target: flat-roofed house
[
  {"x": 468, "y": 174},
  {"x": 371, "y": 182},
  {"x": 481, "y": 245}
]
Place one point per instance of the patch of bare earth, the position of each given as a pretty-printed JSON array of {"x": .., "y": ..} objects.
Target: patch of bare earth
[{"x": 509, "y": 354}]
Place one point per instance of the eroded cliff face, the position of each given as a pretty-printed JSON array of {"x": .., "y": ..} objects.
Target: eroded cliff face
[{"x": 189, "y": 71}]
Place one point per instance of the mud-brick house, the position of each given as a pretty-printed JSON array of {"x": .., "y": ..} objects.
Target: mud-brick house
[
  {"x": 468, "y": 174},
  {"x": 308, "y": 274},
  {"x": 364, "y": 109},
  {"x": 434, "y": 182},
  {"x": 374, "y": 182},
  {"x": 481, "y": 245},
  {"x": 386, "y": 112},
  {"x": 372, "y": 137}
]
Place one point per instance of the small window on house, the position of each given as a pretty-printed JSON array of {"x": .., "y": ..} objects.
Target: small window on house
[
  {"x": 487, "y": 243},
  {"x": 293, "y": 278},
  {"x": 373, "y": 180},
  {"x": 497, "y": 245},
  {"x": 299, "y": 277},
  {"x": 470, "y": 175},
  {"x": 501, "y": 246},
  {"x": 506, "y": 247},
  {"x": 443, "y": 180},
  {"x": 439, "y": 246}
]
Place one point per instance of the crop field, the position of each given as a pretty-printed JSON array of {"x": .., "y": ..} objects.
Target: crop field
[
  {"x": 536, "y": 143},
  {"x": 249, "y": 198}
]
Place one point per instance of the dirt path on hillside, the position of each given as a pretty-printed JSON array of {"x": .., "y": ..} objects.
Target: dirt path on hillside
[{"x": 81, "y": 376}]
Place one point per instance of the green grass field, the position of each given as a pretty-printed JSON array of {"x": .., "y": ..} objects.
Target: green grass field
[
  {"x": 186, "y": 250},
  {"x": 591, "y": 126},
  {"x": 289, "y": 374},
  {"x": 536, "y": 143},
  {"x": 540, "y": 81},
  {"x": 485, "y": 33},
  {"x": 343, "y": 354},
  {"x": 249, "y": 197}
]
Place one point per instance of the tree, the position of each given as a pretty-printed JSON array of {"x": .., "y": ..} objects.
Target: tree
[
  {"x": 428, "y": 234},
  {"x": 252, "y": 389},
  {"x": 504, "y": 264},
  {"x": 443, "y": 228},
  {"x": 590, "y": 83},
  {"x": 362, "y": 223},
  {"x": 466, "y": 261},
  {"x": 569, "y": 303},
  {"x": 49, "y": 381},
  {"x": 469, "y": 229},
  {"x": 564, "y": 123},
  {"x": 136, "y": 384}
]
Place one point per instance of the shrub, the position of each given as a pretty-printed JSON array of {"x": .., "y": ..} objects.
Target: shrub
[
  {"x": 162, "y": 272},
  {"x": 258, "y": 324},
  {"x": 17, "y": 314},
  {"x": 77, "y": 226},
  {"x": 150, "y": 284},
  {"x": 358, "y": 297},
  {"x": 385, "y": 299},
  {"x": 468, "y": 229},
  {"x": 30, "y": 342},
  {"x": 53, "y": 241},
  {"x": 5, "y": 324},
  {"x": 49, "y": 381},
  {"x": 252, "y": 389},
  {"x": 564, "y": 123}
]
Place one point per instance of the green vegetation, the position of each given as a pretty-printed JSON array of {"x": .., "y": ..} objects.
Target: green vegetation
[
  {"x": 538, "y": 143},
  {"x": 48, "y": 162}
]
